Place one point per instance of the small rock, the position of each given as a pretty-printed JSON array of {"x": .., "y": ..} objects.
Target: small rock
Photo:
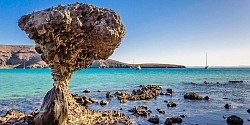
[
  {"x": 86, "y": 91},
  {"x": 103, "y": 102},
  {"x": 192, "y": 83},
  {"x": 236, "y": 81},
  {"x": 109, "y": 95},
  {"x": 154, "y": 119},
  {"x": 123, "y": 101},
  {"x": 206, "y": 98},
  {"x": 234, "y": 120},
  {"x": 224, "y": 98},
  {"x": 121, "y": 109},
  {"x": 193, "y": 96},
  {"x": 161, "y": 93},
  {"x": 166, "y": 101},
  {"x": 161, "y": 111},
  {"x": 93, "y": 100},
  {"x": 248, "y": 110},
  {"x": 169, "y": 121},
  {"x": 171, "y": 104},
  {"x": 182, "y": 115},
  {"x": 228, "y": 106},
  {"x": 205, "y": 82},
  {"x": 98, "y": 90},
  {"x": 169, "y": 91}
]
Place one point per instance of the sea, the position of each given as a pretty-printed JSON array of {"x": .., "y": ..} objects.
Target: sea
[{"x": 24, "y": 89}]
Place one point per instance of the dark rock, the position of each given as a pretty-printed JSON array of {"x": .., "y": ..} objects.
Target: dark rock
[
  {"x": 103, "y": 102},
  {"x": 161, "y": 93},
  {"x": 205, "y": 82},
  {"x": 109, "y": 95},
  {"x": 236, "y": 81},
  {"x": 86, "y": 91},
  {"x": 228, "y": 106},
  {"x": 235, "y": 120},
  {"x": 161, "y": 111},
  {"x": 154, "y": 119},
  {"x": 98, "y": 90},
  {"x": 171, "y": 104},
  {"x": 192, "y": 83},
  {"x": 170, "y": 91},
  {"x": 248, "y": 110},
  {"x": 182, "y": 115},
  {"x": 193, "y": 96},
  {"x": 173, "y": 120},
  {"x": 206, "y": 98}
]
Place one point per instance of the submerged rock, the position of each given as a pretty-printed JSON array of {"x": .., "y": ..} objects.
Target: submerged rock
[
  {"x": 161, "y": 111},
  {"x": 235, "y": 120},
  {"x": 70, "y": 38},
  {"x": 236, "y": 81},
  {"x": 248, "y": 110}
]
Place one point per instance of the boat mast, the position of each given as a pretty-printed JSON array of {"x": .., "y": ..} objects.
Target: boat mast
[{"x": 206, "y": 59}]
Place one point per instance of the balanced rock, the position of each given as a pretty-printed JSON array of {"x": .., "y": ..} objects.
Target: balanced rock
[
  {"x": 70, "y": 38},
  {"x": 234, "y": 120}
]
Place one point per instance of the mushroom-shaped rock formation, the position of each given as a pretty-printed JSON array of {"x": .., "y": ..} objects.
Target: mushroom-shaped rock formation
[{"x": 69, "y": 38}]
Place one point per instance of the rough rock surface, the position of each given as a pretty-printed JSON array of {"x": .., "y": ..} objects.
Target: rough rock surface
[
  {"x": 70, "y": 38},
  {"x": 154, "y": 120},
  {"x": 169, "y": 121},
  {"x": 18, "y": 118},
  {"x": 140, "y": 111},
  {"x": 144, "y": 93}
]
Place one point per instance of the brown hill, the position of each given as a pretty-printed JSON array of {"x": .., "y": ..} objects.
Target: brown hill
[{"x": 19, "y": 56}]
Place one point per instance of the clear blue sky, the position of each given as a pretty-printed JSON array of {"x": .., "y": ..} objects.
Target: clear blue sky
[{"x": 160, "y": 31}]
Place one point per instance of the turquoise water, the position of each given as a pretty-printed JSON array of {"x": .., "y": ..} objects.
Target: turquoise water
[{"x": 24, "y": 89}]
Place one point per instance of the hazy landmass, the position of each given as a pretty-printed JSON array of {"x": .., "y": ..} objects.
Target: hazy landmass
[{"x": 19, "y": 56}]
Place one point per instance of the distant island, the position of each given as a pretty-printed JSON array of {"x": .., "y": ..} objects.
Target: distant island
[{"x": 20, "y": 56}]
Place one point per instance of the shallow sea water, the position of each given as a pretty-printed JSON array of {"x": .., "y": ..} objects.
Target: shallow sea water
[{"x": 24, "y": 89}]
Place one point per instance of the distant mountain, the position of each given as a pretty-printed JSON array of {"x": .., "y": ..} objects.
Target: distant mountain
[{"x": 19, "y": 56}]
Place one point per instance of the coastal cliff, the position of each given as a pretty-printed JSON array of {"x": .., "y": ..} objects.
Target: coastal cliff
[{"x": 19, "y": 56}]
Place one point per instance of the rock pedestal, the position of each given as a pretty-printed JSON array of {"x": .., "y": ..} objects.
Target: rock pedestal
[{"x": 69, "y": 38}]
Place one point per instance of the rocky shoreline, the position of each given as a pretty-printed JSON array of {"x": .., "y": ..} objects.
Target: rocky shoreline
[{"x": 144, "y": 92}]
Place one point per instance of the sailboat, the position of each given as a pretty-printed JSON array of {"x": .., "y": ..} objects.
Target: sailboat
[
  {"x": 206, "y": 67},
  {"x": 138, "y": 67}
]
